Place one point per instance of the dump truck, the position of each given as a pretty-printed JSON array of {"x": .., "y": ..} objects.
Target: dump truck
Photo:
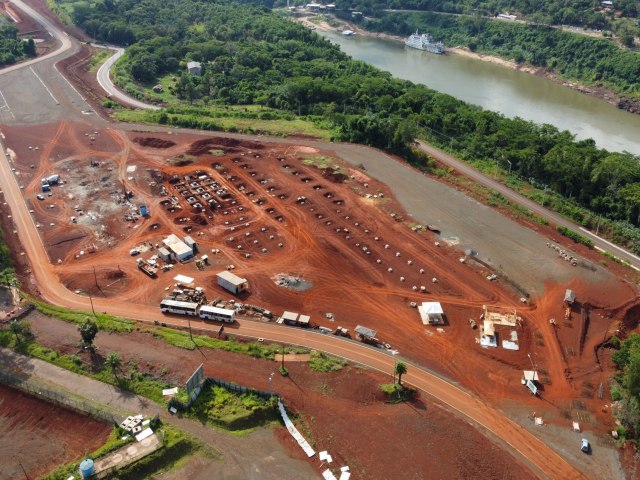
[{"x": 146, "y": 267}]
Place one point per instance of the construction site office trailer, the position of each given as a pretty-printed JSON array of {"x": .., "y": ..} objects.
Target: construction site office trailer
[
  {"x": 232, "y": 283},
  {"x": 208, "y": 312},
  {"x": 191, "y": 243}
]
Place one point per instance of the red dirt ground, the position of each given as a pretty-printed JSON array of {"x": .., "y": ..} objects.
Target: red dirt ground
[
  {"x": 341, "y": 411},
  {"x": 313, "y": 249},
  {"x": 323, "y": 241},
  {"x": 41, "y": 436}
]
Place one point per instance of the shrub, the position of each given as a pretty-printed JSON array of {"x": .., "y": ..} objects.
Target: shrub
[{"x": 575, "y": 236}]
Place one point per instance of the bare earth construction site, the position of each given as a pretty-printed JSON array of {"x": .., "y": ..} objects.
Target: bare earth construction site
[
  {"x": 272, "y": 211},
  {"x": 327, "y": 235}
]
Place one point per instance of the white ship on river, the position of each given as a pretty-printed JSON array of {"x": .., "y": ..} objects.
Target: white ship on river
[{"x": 424, "y": 42}]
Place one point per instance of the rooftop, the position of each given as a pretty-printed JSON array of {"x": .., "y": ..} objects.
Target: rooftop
[
  {"x": 365, "y": 332},
  {"x": 231, "y": 278}
]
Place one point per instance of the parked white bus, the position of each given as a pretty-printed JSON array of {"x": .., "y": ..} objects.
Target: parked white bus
[
  {"x": 218, "y": 314},
  {"x": 182, "y": 308}
]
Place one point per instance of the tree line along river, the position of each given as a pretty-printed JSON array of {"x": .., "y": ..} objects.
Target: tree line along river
[{"x": 501, "y": 89}]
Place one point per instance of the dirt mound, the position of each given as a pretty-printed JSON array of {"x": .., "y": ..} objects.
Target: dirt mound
[
  {"x": 332, "y": 176},
  {"x": 202, "y": 147},
  {"x": 631, "y": 316},
  {"x": 115, "y": 274},
  {"x": 154, "y": 142}
]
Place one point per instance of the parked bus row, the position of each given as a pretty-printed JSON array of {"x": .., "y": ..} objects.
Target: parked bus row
[{"x": 205, "y": 312}]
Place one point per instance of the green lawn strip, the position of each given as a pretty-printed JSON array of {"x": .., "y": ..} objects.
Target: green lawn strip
[
  {"x": 181, "y": 339},
  {"x": 230, "y": 123},
  {"x": 106, "y": 323},
  {"x": 98, "y": 59}
]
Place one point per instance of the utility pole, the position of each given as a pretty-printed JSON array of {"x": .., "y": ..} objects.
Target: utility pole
[
  {"x": 283, "y": 356},
  {"x": 92, "y": 309},
  {"x": 95, "y": 277},
  {"x": 23, "y": 471}
]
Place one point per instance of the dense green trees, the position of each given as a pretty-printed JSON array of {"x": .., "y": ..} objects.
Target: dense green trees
[
  {"x": 252, "y": 56},
  {"x": 587, "y": 59},
  {"x": 583, "y": 13},
  {"x": 626, "y": 384},
  {"x": 12, "y": 48}
]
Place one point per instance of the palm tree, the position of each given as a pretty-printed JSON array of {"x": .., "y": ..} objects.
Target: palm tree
[
  {"x": 401, "y": 369},
  {"x": 113, "y": 361}
]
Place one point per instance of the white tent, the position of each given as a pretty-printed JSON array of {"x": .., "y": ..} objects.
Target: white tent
[{"x": 431, "y": 313}]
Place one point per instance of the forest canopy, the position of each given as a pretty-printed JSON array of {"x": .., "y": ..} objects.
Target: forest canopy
[
  {"x": 253, "y": 56},
  {"x": 13, "y": 48}
]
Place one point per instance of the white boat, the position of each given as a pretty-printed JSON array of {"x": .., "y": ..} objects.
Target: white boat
[
  {"x": 424, "y": 42},
  {"x": 348, "y": 33}
]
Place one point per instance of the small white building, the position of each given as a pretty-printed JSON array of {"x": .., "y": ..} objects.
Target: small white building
[
  {"x": 488, "y": 337},
  {"x": 431, "y": 313},
  {"x": 304, "y": 320},
  {"x": 290, "y": 318},
  {"x": 191, "y": 243},
  {"x": 231, "y": 282},
  {"x": 178, "y": 248},
  {"x": 165, "y": 254},
  {"x": 181, "y": 251},
  {"x": 194, "y": 68}
]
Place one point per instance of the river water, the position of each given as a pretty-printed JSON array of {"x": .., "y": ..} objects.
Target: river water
[{"x": 501, "y": 89}]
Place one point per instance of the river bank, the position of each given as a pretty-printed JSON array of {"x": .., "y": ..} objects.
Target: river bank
[{"x": 599, "y": 92}]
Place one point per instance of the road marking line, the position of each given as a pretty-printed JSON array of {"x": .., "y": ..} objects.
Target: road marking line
[
  {"x": 45, "y": 87},
  {"x": 74, "y": 88},
  {"x": 7, "y": 105}
]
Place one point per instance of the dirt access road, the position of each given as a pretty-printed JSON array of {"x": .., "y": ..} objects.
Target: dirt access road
[
  {"x": 539, "y": 455},
  {"x": 547, "y": 461}
]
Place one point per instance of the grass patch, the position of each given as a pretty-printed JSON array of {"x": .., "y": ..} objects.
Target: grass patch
[
  {"x": 232, "y": 411},
  {"x": 228, "y": 120},
  {"x": 256, "y": 350},
  {"x": 98, "y": 59},
  {"x": 106, "y": 323},
  {"x": 397, "y": 393},
  {"x": 324, "y": 162},
  {"x": 575, "y": 236},
  {"x": 321, "y": 362}
]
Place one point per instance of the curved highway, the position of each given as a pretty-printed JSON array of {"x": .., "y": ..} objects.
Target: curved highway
[
  {"x": 63, "y": 38},
  {"x": 545, "y": 461},
  {"x": 108, "y": 86}
]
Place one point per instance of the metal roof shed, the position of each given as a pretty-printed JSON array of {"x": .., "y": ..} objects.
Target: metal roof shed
[
  {"x": 431, "y": 313},
  {"x": 290, "y": 318},
  {"x": 365, "y": 332},
  {"x": 569, "y": 296},
  {"x": 304, "y": 320}
]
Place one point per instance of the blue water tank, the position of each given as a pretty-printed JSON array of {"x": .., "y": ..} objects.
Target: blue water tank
[{"x": 86, "y": 468}]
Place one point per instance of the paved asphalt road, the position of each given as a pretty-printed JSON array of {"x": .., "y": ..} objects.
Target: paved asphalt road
[
  {"x": 515, "y": 197},
  {"x": 541, "y": 457},
  {"x": 105, "y": 82}
]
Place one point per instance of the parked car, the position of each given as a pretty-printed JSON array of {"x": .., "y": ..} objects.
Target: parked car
[
  {"x": 134, "y": 251},
  {"x": 40, "y": 197},
  {"x": 584, "y": 445}
]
